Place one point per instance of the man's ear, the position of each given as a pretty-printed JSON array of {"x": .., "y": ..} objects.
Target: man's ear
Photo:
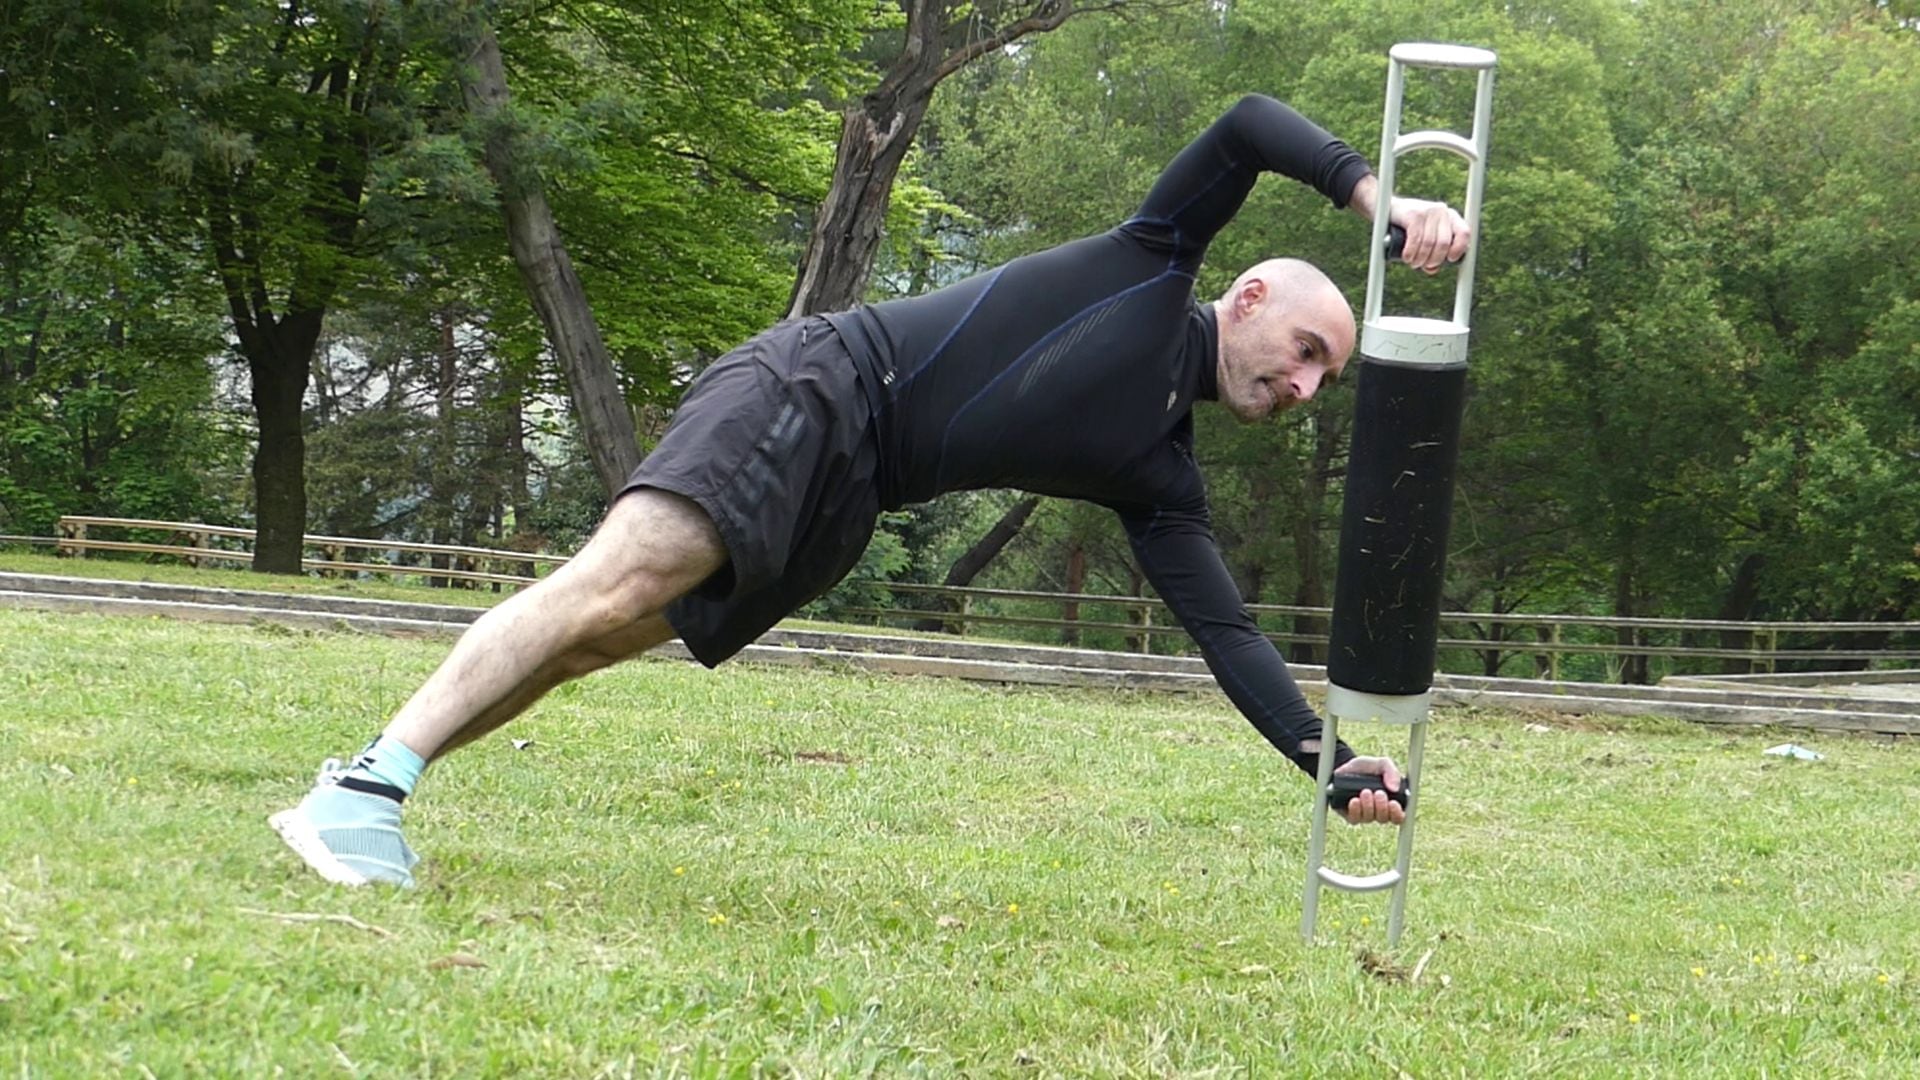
[{"x": 1249, "y": 298}]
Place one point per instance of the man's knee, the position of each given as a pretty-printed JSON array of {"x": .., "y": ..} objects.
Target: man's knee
[{"x": 652, "y": 548}]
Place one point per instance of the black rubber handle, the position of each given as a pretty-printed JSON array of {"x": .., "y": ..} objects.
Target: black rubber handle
[
  {"x": 1347, "y": 785},
  {"x": 1397, "y": 245},
  {"x": 1396, "y": 242}
]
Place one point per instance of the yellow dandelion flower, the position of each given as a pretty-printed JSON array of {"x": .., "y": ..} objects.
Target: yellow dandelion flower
[
  {"x": 1366, "y": 920},
  {"x": 679, "y": 871},
  {"x": 1056, "y": 864},
  {"x": 1013, "y": 909},
  {"x": 1804, "y": 958},
  {"x": 1736, "y": 881},
  {"x": 716, "y": 919},
  {"x": 1633, "y": 1018},
  {"x": 1699, "y": 973},
  {"x": 1173, "y": 890},
  {"x": 1882, "y": 978}
]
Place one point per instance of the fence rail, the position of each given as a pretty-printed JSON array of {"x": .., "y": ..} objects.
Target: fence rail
[
  {"x": 462, "y": 564},
  {"x": 961, "y": 608},
  {"x": 1152, "y": 618}
]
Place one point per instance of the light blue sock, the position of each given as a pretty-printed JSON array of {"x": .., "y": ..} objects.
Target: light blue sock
[{"x": 389, "y": 761}]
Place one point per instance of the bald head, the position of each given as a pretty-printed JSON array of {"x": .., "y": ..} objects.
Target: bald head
[
  {"x": 1293, "y": 278},
  {"x": 1284, "y": 328}
]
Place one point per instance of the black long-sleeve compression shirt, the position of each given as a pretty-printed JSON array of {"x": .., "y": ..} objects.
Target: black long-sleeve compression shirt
[{"x": 1073, "y": 372}]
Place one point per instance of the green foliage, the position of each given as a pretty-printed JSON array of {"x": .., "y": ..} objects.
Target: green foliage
[
  {"x": 107, "y": 385},
  {"x": 1694, "y": 324},
  {"x": 1689, "y": 318}
]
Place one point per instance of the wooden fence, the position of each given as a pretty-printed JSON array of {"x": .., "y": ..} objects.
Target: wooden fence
[
  {"x": 1484, "y": 631},
  {"x": 1146, "y": 618},
  {"x": 201, "y": 545}
]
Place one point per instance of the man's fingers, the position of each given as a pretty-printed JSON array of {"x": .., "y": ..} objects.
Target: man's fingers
[
  {"x": 1462, "y": 239},
  {"x": 1436, "y": 236},
  {"x": 1437, "y": 241},
  {"x": 1369, "y": 807},
  {"x": 1419, "y": 240}
]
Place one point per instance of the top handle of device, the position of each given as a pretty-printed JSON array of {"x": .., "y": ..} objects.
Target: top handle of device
[{"x": 1387, "y": 238}]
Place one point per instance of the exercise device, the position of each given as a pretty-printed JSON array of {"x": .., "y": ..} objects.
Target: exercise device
[{"x": 1399, "y": 500}]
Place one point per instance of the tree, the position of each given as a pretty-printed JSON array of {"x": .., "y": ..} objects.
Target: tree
[
  {"x": 106, "y": 391},
  {"x": 939, "y": 37},
  {"x": 600, "y": 406},
  {"x": 622, "y": 109},
  {"x": 264, "y": 125}
]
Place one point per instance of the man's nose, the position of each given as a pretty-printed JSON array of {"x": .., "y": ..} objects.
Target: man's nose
[{"x": 1304, "y": 384}]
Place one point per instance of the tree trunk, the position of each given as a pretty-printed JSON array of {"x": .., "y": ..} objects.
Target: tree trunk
[
  {"x": 444, "y": 470},
  {"x": 877, "y": 131},
  {"x": 1633, "y": 667},
  {"x": 874, "y": 139},
  {"x": 975, "y": 559},
  {"x": 519, "y": 493},
  {"x": 1076, "y": 581},
  {"x": 600, "y": 405},
  {"x": 1311, "y": 590},
  {"x": 280, "y": 364},
  {"x": 279, "y": 348},
  {"x": 1742, "y": 595},
  {"x": 1137, "y": 586}
]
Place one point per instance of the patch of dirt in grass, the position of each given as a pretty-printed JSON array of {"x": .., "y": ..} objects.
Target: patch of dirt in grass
[
  {"x": 1380, "y": 967},
  {"x": 821, "y": 757}
]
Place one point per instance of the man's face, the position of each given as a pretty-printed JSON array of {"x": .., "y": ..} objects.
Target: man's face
[{"x": 1280, "y": 350}]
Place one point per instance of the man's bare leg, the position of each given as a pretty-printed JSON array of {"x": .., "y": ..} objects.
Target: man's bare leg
[{"x": 605, "y": 604}]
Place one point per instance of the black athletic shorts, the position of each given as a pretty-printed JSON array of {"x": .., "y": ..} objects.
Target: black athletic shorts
[{"x": 775, "y": 442}]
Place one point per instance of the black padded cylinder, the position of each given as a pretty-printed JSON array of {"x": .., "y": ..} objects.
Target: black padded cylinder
[{"x": 1393, "y": 527}]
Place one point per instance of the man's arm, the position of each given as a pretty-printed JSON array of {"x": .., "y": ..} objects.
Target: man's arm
[
  {"x": 1177, "y": 551},
  {"x": 1204, "y": 186}
]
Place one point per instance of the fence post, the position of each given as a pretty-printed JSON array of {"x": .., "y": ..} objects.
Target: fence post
[
  {"x": 71, "y": 530},
  {"x": 1146, "y": 629},
  {"x": 966, "y": 611},
  {"x": 330, "y": 553},
  {"x": 1553, "y": 658},
  {"x": 197, "y": 539}
]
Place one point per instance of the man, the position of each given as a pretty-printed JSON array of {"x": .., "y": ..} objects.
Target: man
[{"x": 1069, "y": 372}]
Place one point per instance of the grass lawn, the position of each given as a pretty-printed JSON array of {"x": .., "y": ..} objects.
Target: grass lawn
[{"x": 777, "y": 872}]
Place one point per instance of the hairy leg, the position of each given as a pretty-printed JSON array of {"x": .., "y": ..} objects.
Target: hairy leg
[
  {"x": 604, "y": 605},
  {"x": 591, "y": 656}
]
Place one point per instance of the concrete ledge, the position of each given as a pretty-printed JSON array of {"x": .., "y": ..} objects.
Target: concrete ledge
[
  {"x": 226, "y": 613},
  {"x": 195, "y": 594},
  {"x": 1799, "y": 678}
]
